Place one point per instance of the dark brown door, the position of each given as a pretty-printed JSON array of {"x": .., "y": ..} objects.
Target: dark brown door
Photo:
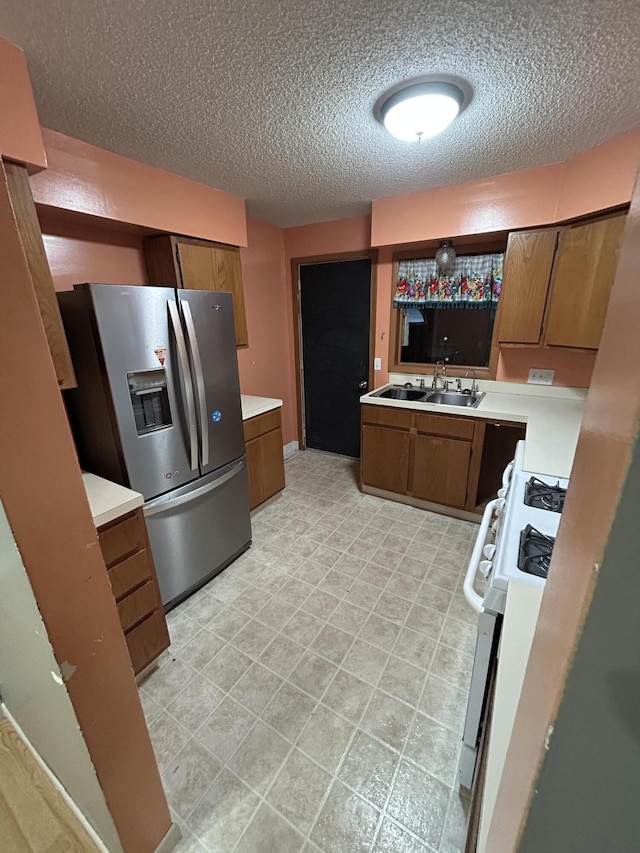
[{"x": 335, "y": 308}]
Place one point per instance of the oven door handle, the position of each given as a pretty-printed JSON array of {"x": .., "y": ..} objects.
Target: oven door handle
[{"x": 470, "y": 594}]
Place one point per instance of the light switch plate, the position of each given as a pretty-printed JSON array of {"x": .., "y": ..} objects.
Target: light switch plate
[
  {"x": 540, "y": 377},
  {"x": 377, "y": 364}
]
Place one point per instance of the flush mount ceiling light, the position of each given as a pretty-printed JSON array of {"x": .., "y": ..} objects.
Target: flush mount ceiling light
[{"x": 421, "y": 110}]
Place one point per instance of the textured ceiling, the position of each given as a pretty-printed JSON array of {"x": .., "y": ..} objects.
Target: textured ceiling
[{"x": 274, "y": 101}]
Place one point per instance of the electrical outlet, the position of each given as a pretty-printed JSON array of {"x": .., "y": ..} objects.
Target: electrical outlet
[
  {"x": 540, "y": 377},
  {"x": 377, "y": 364}
]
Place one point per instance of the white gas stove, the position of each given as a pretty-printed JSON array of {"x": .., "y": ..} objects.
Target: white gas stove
[
  {"x": 503, "y": 551},
  {"x": 514, "y": 542}
]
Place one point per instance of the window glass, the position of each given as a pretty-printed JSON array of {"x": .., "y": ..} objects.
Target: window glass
[
  {"x": 454, "y": 335},
  {"x": 448, "y": 315}
]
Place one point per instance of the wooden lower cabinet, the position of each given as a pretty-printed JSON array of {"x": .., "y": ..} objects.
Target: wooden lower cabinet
[
  {"x": 441, "y": 470},
  {"x": 449, "y": 460},
  {"x": 127, "y": 555},
  {"x": 384, "y": 458},
  {"x": 420, "y": 455},
  {"x": 264, "y": 456}
]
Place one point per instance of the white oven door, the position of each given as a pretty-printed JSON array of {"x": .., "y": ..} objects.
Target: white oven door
[
  {"x": 490, "y": 517},
  {"x": 486, "y": 644},
  {"x": 483, "y": 662}
]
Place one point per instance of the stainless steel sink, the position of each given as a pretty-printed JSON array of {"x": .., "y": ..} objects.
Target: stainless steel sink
[
  {"x": 454, "y": 398},
  {"x": 398, "y": 393}
]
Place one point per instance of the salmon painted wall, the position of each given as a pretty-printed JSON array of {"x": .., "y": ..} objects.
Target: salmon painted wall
[
  {"x": 498, "y": 203},
  {"x": 49, "y": 514},
  {"x": 20, "y": 134},
  {"x": 86, "y": 252},
  {"x": 266, "y": 365},
  {"x": 573, "y": 369},
  {"x": 80, "y": 252},
  {"x": 328, "y": 238},
  {"x": 575, "y": 598},
  {"x": 92, "y": 181},
  {"x": 599, "y": 178},
  {"x": 595, "y": 180}
]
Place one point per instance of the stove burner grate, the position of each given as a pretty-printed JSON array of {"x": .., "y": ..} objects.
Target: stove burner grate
[
  {"x": 541, "y": 495},
  {"x": 534, "y": 555}
]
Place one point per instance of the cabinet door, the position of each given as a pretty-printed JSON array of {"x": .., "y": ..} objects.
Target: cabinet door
[
  {"x": 441, "y": 469},
  {"x": 272, "y": 463},
  {"x": 384, "y": 461},
  {"x": 196, "y": 266},
  {"x": 252, "y": 455},
  {"x": 228, "y": 277},
  {"x": 584, "y": 274},
  {"x": 527, "y": 269},
  {"x": 204, "y": 267},
  {"x": 265, "y": 467}
]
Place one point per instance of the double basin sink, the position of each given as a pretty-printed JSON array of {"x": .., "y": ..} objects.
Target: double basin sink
[{"x": 420, "y": 395}]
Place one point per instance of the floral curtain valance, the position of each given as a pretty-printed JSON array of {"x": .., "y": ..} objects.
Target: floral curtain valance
[{"x": 475, "y": 282}]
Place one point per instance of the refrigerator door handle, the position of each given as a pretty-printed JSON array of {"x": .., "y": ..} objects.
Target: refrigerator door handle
[
  {"x": 186, "y": 378},
  {"x": 197, "y": 366},
  {"x": 164, "y": 504}
]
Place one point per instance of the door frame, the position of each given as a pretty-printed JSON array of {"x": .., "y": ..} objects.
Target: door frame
[{"x": 296, "y": 263}]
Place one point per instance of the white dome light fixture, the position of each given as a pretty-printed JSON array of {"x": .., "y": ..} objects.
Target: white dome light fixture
[{"x": 421, "y": 110}]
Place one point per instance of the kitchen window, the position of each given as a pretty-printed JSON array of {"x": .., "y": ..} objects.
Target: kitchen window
[{"x": 446, "y": 317}]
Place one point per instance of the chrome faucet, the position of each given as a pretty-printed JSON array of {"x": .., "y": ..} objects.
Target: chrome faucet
[
  {"x": 474, "y": 383},
  {"x": 443, "y": 373}
]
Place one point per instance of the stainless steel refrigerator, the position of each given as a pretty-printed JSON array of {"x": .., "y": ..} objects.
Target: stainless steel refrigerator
[{"x": 158, "y": 409}]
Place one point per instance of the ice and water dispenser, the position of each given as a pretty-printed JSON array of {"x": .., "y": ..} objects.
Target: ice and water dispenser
[{"x": 150, "y": 400}]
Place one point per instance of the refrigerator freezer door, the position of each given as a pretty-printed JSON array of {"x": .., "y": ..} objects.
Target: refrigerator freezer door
[
  {"x": 197, "y": 530},
  {"x": 209, "y": 321},
  {"x": 137, "y": 335}
]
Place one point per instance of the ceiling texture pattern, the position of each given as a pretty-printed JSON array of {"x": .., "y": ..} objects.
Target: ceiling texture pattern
[{"x": 273, "y": 102}]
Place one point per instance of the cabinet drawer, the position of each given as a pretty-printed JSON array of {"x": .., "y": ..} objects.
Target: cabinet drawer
[
  {"x": 130, "y": 573},
  {"x": 386, "y": 416},
  {"x": 136, "y": 606},
  {"x": 443, "y": 425},
  {"x": 261, "y": 424},
  {"x": 122, "y": 539},
  {"x": 147, "y": 640}
]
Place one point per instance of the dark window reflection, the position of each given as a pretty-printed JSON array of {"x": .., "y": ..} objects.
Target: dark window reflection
[{"x": 456, "y": 335}]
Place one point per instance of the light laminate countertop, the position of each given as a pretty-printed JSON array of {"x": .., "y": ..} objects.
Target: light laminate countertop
[
  {"x": 552, "y": 416},
  {"x": 253, "y": 406},
  {"x": 108, "y": 500}
]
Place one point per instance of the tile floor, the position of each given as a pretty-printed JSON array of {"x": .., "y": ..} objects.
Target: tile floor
[{"x": 315, "y": 691}]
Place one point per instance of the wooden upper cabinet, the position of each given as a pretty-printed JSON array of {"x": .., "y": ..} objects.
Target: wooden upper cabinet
[
  {"x": 16, "y": 185},
  {"x": 527, "y": 270},
  {"x": 198, "y": 265},
  {"x": 583, "y": 277}
]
